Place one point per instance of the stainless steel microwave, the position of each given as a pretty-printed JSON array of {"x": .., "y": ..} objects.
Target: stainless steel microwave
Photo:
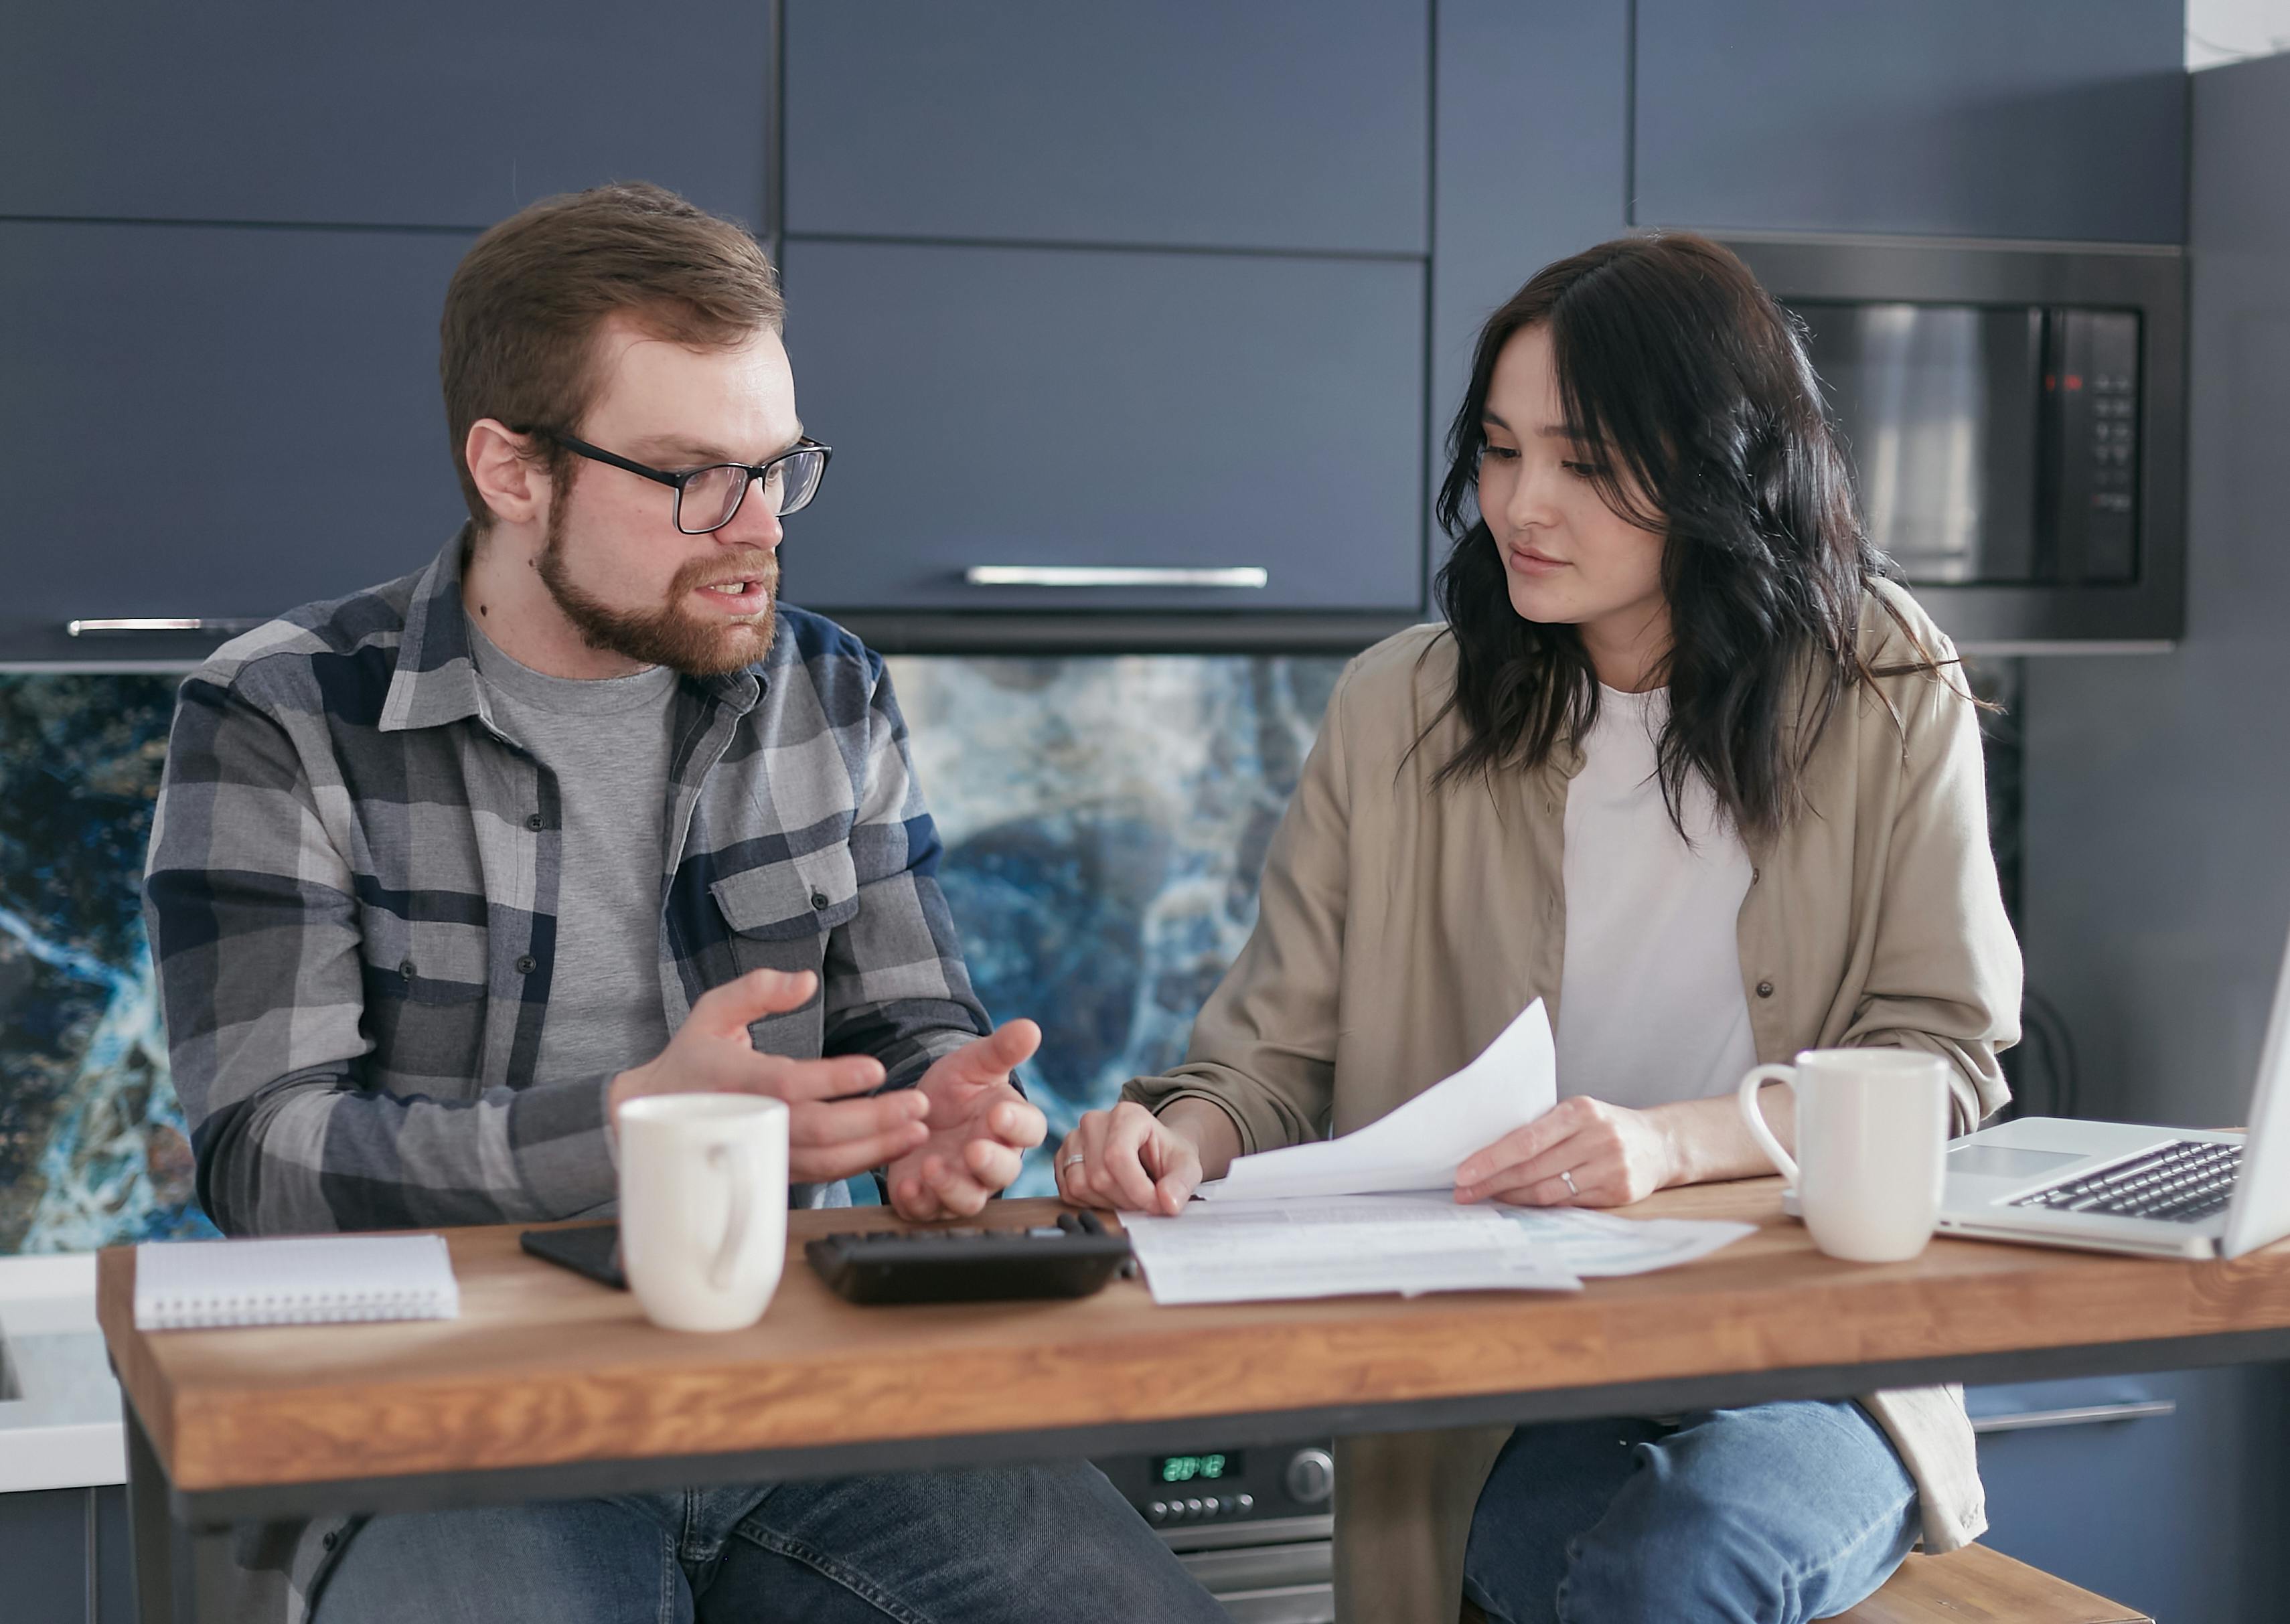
[{"x": 2015, "y": 416}]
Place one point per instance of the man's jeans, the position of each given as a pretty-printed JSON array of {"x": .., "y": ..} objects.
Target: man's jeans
[
  {"x": 1018, "y": 1545},
  {"x": 1773, "y": 1515}
]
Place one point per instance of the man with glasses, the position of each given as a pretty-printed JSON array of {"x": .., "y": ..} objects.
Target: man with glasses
[{"x": 444, "y": 871}]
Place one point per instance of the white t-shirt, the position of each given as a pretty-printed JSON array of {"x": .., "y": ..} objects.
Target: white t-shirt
[{"x": 1650, "y": 1008}]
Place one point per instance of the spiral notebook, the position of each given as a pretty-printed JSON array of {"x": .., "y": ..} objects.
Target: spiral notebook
[{"x": 322, "y": 1279}]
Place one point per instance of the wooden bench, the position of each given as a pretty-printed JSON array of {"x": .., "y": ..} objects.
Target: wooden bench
[
  {"x": 1971, "y": 1585},
  {"x": 1979, "y": 1586}
]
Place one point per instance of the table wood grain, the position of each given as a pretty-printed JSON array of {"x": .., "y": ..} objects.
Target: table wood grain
[{"x": 544, "y": 1368}]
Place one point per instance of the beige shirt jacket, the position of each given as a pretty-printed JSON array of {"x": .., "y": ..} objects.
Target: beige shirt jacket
[{"x": 1402, "y": 927}]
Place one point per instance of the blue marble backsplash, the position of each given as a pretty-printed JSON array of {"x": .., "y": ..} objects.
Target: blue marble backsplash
[
  {"x": 92, "y": 1146},
  {"x": 1104, "y": 820}
]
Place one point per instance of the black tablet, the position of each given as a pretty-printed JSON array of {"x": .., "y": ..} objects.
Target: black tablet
[{"x": 593, "y": 1250}]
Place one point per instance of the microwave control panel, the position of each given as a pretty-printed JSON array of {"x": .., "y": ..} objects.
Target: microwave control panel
[{"x": 2091, "y": 489}]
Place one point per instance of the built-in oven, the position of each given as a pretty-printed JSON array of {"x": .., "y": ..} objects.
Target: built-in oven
[
  {"x": 2013, "y": 416},
  {"x": 1251, "y": 1523}
]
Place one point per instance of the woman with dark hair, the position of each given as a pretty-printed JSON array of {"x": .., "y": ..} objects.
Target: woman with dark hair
[{"x": 1685, "y": 763}]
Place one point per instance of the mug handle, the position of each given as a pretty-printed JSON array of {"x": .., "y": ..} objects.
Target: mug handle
[
  {"x": 726, "y": 1160},
  {"x": 1755, "y": 1119}
]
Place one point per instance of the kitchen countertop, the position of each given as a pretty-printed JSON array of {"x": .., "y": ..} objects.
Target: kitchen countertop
[{"x": 60, "y": 1426}]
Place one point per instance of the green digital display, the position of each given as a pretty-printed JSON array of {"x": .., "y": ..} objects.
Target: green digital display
[{"x": 1196, "y": 1469}]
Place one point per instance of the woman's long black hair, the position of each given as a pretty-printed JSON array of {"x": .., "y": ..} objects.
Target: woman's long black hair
[{"x": 1694, "y": 389}]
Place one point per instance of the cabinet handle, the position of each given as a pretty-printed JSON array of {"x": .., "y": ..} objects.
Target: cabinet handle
[
  {"x": 1112, "y": 575},
  {"x": 213, "y": 626},
  {"x": 2029, "y": 1421}
]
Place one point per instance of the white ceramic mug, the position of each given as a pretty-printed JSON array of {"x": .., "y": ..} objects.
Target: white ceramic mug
[
  {"x": 703, "y": 1206},
  {"x": 1872, "y": 1146}
]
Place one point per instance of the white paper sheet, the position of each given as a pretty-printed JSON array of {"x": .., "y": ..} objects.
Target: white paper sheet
[
  {"x": 1601, "y": 1245},
  {"x": 1339, "y": 1246},
  {"x": 1418, "y": 1145}
]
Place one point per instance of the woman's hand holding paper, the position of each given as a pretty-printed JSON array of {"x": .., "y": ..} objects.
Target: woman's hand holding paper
[{"x": 1582, "y": 1152}]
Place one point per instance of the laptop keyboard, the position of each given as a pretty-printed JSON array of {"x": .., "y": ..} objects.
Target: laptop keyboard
[{"x": 2178, "y": 1183}]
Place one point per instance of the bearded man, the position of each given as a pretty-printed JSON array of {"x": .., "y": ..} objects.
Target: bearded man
[{"x": 445, "y": 871}]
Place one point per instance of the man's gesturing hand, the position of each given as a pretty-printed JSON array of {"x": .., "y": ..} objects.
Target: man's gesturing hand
[
  {"x": 979, "y": 1128},
  {"x": 835, "y": 1128}
]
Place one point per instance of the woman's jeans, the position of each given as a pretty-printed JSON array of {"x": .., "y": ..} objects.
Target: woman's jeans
[
  {"x": 1014, "y": 1545},
  {"x": 1772, "y": 1515}
]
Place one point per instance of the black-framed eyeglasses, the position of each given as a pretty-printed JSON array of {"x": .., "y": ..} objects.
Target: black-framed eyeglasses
[{"x": 706, "y": 499}]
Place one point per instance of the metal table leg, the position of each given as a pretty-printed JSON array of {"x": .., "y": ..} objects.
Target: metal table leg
[
  {"x": 183, "y": 1575},
  {"x": 148, "y": 1524}
]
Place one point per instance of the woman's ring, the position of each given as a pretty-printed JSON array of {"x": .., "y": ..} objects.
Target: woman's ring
[
  {"x": 1076, "y": 1159},
  {"x": 1569, "y": 1178}
]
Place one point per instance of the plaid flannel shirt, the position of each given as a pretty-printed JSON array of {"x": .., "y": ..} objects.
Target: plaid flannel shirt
[{"x": 352, "y": 890}]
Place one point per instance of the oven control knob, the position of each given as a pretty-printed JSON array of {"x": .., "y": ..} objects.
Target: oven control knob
[{"x": 1311, "y": 1476}]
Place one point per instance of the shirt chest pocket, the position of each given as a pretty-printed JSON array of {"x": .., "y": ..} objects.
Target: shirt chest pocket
[{"x": 797, "y": 900}]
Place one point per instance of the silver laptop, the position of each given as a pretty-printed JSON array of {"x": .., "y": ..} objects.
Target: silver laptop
[{"x": 2112, "y": 1187}]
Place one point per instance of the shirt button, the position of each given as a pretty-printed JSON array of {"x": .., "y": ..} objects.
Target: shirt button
[
  {"x": 406, "y": 970},
  {"x": 819, "y": 900},
  {"x": 535, "y": 823},
  {"x": 332, "y": 1540},
  {"x": 526, "y": 964},
  {"x": 1765, "y": 989}
]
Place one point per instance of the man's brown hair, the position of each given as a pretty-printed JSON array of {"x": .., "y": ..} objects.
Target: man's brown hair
[{"x": 517, "y": 342}]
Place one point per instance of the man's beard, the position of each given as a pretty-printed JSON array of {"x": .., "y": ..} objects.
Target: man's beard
[{"x": 671, "y": 634}]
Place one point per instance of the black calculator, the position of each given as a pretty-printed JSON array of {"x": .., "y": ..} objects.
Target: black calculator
[{"x": 1071, "y": 1258}]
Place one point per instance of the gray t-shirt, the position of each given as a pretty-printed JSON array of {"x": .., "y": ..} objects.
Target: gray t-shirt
[{"x": 607, "y": 741}]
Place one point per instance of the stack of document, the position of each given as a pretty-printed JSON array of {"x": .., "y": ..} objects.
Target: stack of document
[
  {"x": 1599, "y": 1245},
  {"x": 1374, "y": 1212},
  {"x": 1338, "y": 1246}
]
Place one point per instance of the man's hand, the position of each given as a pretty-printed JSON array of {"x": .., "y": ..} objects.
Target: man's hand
[
  {"x": 836, "y": 1128},
  {"x": 979, "y": 1127},
  {"x": 1581, "y": 1153}
]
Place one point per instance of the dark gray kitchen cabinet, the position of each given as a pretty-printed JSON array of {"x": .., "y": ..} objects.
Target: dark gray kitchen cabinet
[
  {"x": 2163, "y": 1491},
  {"x": 214, "y": 422},
  {"x": 1281, "y": 123},
  {"x": 1534, "y": 142},
  {"x": 2039, "y": 118},
  {"x": 1030, "y": 408},
  {"x": 65, "y": 1557},
  {"x": 43, "y": 1555},
  {"x": 420, "y": 112}
]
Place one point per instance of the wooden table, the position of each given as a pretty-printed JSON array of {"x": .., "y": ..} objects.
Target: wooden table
[{"x": 549, "y": 1387}]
